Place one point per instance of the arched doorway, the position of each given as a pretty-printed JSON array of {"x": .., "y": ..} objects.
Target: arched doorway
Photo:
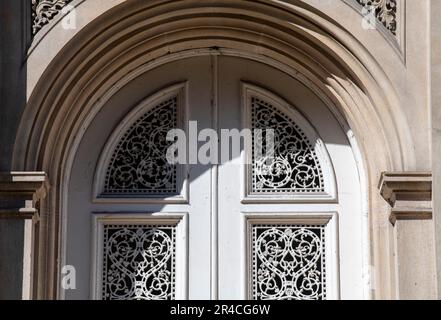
[
  {"x": 139, "y": 228},
  {"x": 115, "y": 49}
]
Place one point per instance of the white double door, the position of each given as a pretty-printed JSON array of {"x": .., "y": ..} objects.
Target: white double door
[{"x": 233, "y": 240}]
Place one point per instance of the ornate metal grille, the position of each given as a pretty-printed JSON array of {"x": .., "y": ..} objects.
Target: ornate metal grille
[
  {"x": 139, "y": 262},
  {"x": 385, "y": 12},
  {"x": 43, "y": 11},
  {"x": 139, "y": 163},
  {"x": 293, "y": 167},
  {"x": 288, "y": 262}
]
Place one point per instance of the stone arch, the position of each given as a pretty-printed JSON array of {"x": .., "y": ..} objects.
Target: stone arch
[{"x": 132, "y": 37}]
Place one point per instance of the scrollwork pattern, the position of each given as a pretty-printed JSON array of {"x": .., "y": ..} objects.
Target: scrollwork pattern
[
  {"x": 43, "y": 11},
  {"x": 293, "y": 166},
  {"x": 288, "y": 262},
  {"x": 385, "y": 12},
  {"x": 139, "y": 262},
  {"x": 139, "y": 163}
]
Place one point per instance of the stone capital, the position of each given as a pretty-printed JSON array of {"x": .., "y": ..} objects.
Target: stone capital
[
  {"x": 20, "y": 192},
  {"x": 408, "y": 193}
]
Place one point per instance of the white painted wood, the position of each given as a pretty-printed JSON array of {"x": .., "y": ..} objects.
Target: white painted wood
[
  {"x": 217, "y": 265},
  {"x": 214, "y": 185}
]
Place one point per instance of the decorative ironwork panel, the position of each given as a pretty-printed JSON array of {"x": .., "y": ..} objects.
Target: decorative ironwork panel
[
  {"x": 288, "y": 262},
  {"x": 293, "y": 166},
  {"x": 139, "y": 262},
  {"x": 43, "y": 11},
  {"x": 385, "y": 12},
  {"x": 139, "y": 163}
]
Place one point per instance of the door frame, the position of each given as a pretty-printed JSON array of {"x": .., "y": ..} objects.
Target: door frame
[
  {"x": 63, "y": 191},
  {"x": 268, "y": 62}
]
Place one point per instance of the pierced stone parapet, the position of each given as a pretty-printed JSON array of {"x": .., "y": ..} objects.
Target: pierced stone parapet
[
  {"x": 43, "y": 11},
  {"x": 385, "y": 12}
]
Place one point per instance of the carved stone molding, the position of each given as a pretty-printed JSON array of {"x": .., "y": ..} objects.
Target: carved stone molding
[
  {"x": 43, "y": 11},
  {"x": 20, "y": 193},
  {"x": 408, "y": 193}
]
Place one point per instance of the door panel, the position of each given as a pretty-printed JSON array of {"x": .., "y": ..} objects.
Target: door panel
[
  {"x": 344, "y": 273},
  {"x": 193, "y": 272}
]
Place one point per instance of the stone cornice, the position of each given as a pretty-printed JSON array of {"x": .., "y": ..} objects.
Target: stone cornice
[
  {"x": 408, "y": 193},
  {"x": 20, "y": 192}
]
